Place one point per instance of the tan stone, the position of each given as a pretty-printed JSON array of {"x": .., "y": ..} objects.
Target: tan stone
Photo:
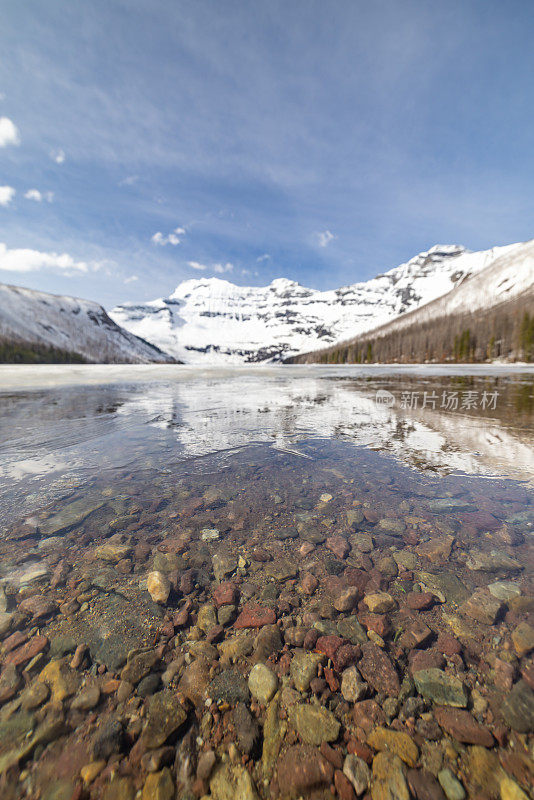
[{"x": 396, "y": 742}]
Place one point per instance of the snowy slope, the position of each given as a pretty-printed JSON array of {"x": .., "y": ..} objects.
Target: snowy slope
[
  {"x": 508, "y": 277},
  {"x": 78, "y": 326},
  {"x": 213, "y": 321}
]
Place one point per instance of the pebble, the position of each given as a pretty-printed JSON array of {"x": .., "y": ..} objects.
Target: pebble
[
  {"x": 159, "y": 786},
  {"x": 357, "y": 772},
  {"x": 462, "y": 726},
  {"x": 438, "y": 686},
  {"x": 377, "y": 669},
  {"x": 301, "y": 770},
  {"x": 262, "y": 683},
  {"x": 165, "y": 715},
  {"x": 396, "y": 742},
  {"x": 314, "y": 724},
  {"x": 353, "y": 687},
  {"x": 255, "y": 617},
  {"x": 303, "y": 669},
  {"x": 451, "y": 785},
  {"x": 158, "y": 586},
  {"x": 388, "y": 781},
  {"x": 379, "y": 602},
  {"x": 523, "y": 639}
]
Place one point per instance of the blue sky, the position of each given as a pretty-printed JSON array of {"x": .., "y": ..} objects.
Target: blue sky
[{"x": 144, "y": 142}]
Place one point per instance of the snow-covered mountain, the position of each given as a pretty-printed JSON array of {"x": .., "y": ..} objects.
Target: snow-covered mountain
[
  {"x": 486, "y": 309},
  {"x": 32, "y": 318},
  {"x": 212, "y": 321}
]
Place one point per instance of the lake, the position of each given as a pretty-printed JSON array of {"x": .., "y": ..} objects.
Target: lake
[{"x": 298, "y": 567}]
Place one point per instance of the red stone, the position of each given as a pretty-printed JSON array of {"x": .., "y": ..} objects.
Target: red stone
[
  {"x": 419, "y": 601},
  {"x": 338, "y": 546},
  {"x": 379, "y": 623},
  {"x": 334, "y": 756},
  {"x": 332, "y": 681},
  {"x": 367, "y": 714},
  {"x": 448, "y": 645},
  {"x": 226, "y": 594},
  {"x": 462, "y": 726},
  {"x": 309, "y": 583},
  {"x": 425, "y": 659},
  {"x": 343, "y": 786},
  {"x": 15, "y": 640},
  {"x": 28, "y": 651},
  {"x": 328, "y": 645},
  {"x": 181, "y": 616},
  {"x": 378, "y": 671},
  {"x": 361, "y": 750},
  {"x": 300, "y": 771},
  {"x": 255, "y": 617},
  {"x": 346, "y": 655},
  {"x": 38, "y": 606}
]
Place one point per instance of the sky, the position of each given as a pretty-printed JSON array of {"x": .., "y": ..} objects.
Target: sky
[{"x": 147, "y": 142}]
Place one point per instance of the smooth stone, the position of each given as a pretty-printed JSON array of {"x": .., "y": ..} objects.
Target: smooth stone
[
  {"x": 138, "y": 666},
  {"x": 511, "y": 791},
  {"x": 482, "y": 607},
  {"x": 451, "y": 785},
  {"x": 274, "y": 731},
  {"x": 396, "y": 742},
  {"x": 194, "y": 681},
  {"x": 262, "y": 683},
  {"x": 158, "y": 587},
  {"x": 523, "y": 639},
  {"x": 377, "y": 669},
  {"x": 445, "y": 585},
  {"x": 112, "y": 552},
  {"x": 463, "y": 727},
  {"x": 87, "y": 699},
  {"x": 379, "y": 602},
  {"x": 61, "y": 680},
  {"x": 504, "y": 590},
  {"x": 314, "y": 724},
  {"x": 302, "y": 771}
]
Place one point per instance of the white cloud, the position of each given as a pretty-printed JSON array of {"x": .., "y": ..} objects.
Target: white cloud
[
  {"x": 7, "y": 193},
  {"x": 35, "y": 194},
  {"x": 58, "y": 155},
  {"x": 26, "y": 260},
  {"x": 131, "y": 279},
  {"x": 264, "y": 257},
  {"x": 172, "y": 238},
  {"x": 324, "y": 238},
  {"x": 129, "y": 180},
  {"x": 219, "y": 268},
  {"x": 9, "y": 133}
]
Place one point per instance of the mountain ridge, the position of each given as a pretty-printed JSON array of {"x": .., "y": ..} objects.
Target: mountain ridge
[
  {"x": 45, "y": 327},
  {"x": 213, "y": 321}
]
